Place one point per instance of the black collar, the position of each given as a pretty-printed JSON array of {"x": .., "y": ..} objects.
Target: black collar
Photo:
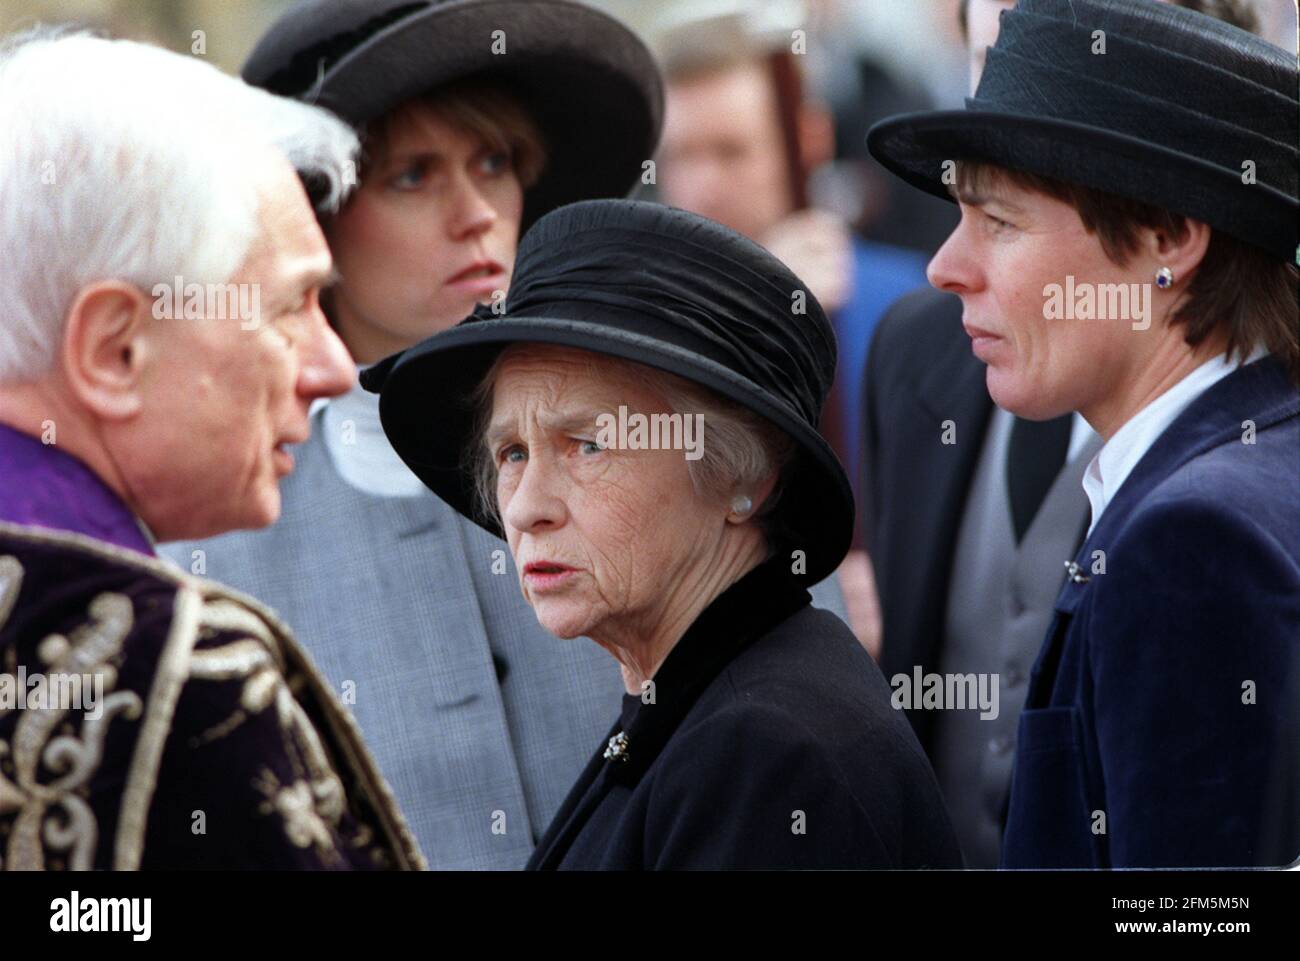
[
  {"x": 741, "y": 614},
  {"x": 738, "y": 616}
]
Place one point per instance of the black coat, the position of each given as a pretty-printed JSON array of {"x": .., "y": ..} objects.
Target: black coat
[
  {"x": 920, "y": 373},
  {"x": 770, "y": 743}
]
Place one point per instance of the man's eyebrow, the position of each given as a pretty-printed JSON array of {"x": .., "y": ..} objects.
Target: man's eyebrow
[
  {"x": 313, "y": 278},
  {"x": 306, "y": 280}
]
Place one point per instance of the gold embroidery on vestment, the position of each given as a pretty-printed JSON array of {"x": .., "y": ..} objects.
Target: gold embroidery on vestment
[{"x": 52, "y": 817}]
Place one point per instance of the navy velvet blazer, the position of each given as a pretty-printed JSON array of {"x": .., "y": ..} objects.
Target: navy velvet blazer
[{"x": 1163, "y": 721}]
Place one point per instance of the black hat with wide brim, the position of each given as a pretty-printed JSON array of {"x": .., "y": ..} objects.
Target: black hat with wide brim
[
  {"x": 661, "y": 287},
  {"x": 1145, "y": 100},
  {"x": 588, "y": 81}
]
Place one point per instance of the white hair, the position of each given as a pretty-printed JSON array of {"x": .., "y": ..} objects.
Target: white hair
[{"x": 121, "y": 160}]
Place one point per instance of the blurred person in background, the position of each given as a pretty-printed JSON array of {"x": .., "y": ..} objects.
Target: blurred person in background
[
  {"x": 878, "y": 207},
  {"x": 1000, "y": 502},
  {"x": 740, "y": 142}
]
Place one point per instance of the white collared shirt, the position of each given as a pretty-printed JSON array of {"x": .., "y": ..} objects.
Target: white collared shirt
[
  {"x": 360, "y": 450},
  {"x": 1111, "y": 465}
]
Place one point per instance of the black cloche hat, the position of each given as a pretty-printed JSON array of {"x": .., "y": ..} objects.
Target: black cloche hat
[
  {"x": 588, "y": 81},
  {"x": 1146, "y": 100},
  {"x": 655, "y": 285}
]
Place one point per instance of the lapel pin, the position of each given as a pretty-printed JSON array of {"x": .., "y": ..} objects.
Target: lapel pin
[
  {"x": 1073, "y": 569},
  {"x": 617, "y": 750}
]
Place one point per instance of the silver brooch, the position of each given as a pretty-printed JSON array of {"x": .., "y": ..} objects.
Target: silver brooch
[
  {"x": 1073, "y": 569},
  {"x": 617, "y": 750}
]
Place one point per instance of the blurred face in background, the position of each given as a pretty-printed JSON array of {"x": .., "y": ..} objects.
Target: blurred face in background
[
  {"x": 722, "y": 152},
  {"x": 432, "y": 229}
]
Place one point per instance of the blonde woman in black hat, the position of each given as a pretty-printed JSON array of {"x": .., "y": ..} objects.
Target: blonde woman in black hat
[
  {"x": 1127, "y": 175},
  {"x": 475, "y": 118},
  {"x": 640, "y": 425}
]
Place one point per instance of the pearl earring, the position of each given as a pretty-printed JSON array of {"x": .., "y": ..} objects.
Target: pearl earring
[
  {"x": 1164, "y": 278},
  {"x": 741, "y": 504}
]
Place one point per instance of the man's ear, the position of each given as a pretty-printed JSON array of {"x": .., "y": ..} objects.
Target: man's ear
[{"x": 105, "y": 348}]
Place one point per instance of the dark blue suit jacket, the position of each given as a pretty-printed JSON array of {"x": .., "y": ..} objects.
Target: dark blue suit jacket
[{"x": 1163, "y": 721}]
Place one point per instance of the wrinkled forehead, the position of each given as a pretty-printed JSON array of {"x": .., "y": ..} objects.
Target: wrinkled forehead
[
  {"x": 556, "y": 385},
  {"x": 547, "y": 373}
]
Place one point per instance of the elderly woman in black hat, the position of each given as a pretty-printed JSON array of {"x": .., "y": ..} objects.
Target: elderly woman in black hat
[
  {"x": 755, "y": 731},
  {"x": 1127, "y": 175}
]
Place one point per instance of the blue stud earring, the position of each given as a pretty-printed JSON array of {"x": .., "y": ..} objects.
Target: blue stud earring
[{"x": 1164, "y": 278}]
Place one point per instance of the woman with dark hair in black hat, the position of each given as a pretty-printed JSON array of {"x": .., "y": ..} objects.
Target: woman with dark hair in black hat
[
  {"x": 640, "y": 425},
  {"x": 1127, "y": 175},
  {"x": 476, "y": 118}
]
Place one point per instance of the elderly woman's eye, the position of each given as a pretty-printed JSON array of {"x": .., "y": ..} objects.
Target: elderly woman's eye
[
  {"x": 507, "y": 455},
  {"x": 589, "y": 446}
]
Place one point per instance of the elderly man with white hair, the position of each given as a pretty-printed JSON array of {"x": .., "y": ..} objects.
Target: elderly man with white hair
[{"x": 160, "y": 344}]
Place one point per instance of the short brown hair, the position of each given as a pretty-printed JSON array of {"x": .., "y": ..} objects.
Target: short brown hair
[
  {"x": 487, "y": 109},
  {"x": 1239, "y": 291}
]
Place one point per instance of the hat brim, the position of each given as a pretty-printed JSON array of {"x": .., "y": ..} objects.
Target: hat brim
[
  {"x": 432, "y": 437},
  {"x": 915, "y": 146},
  {"x": 588, "y": 81}
]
